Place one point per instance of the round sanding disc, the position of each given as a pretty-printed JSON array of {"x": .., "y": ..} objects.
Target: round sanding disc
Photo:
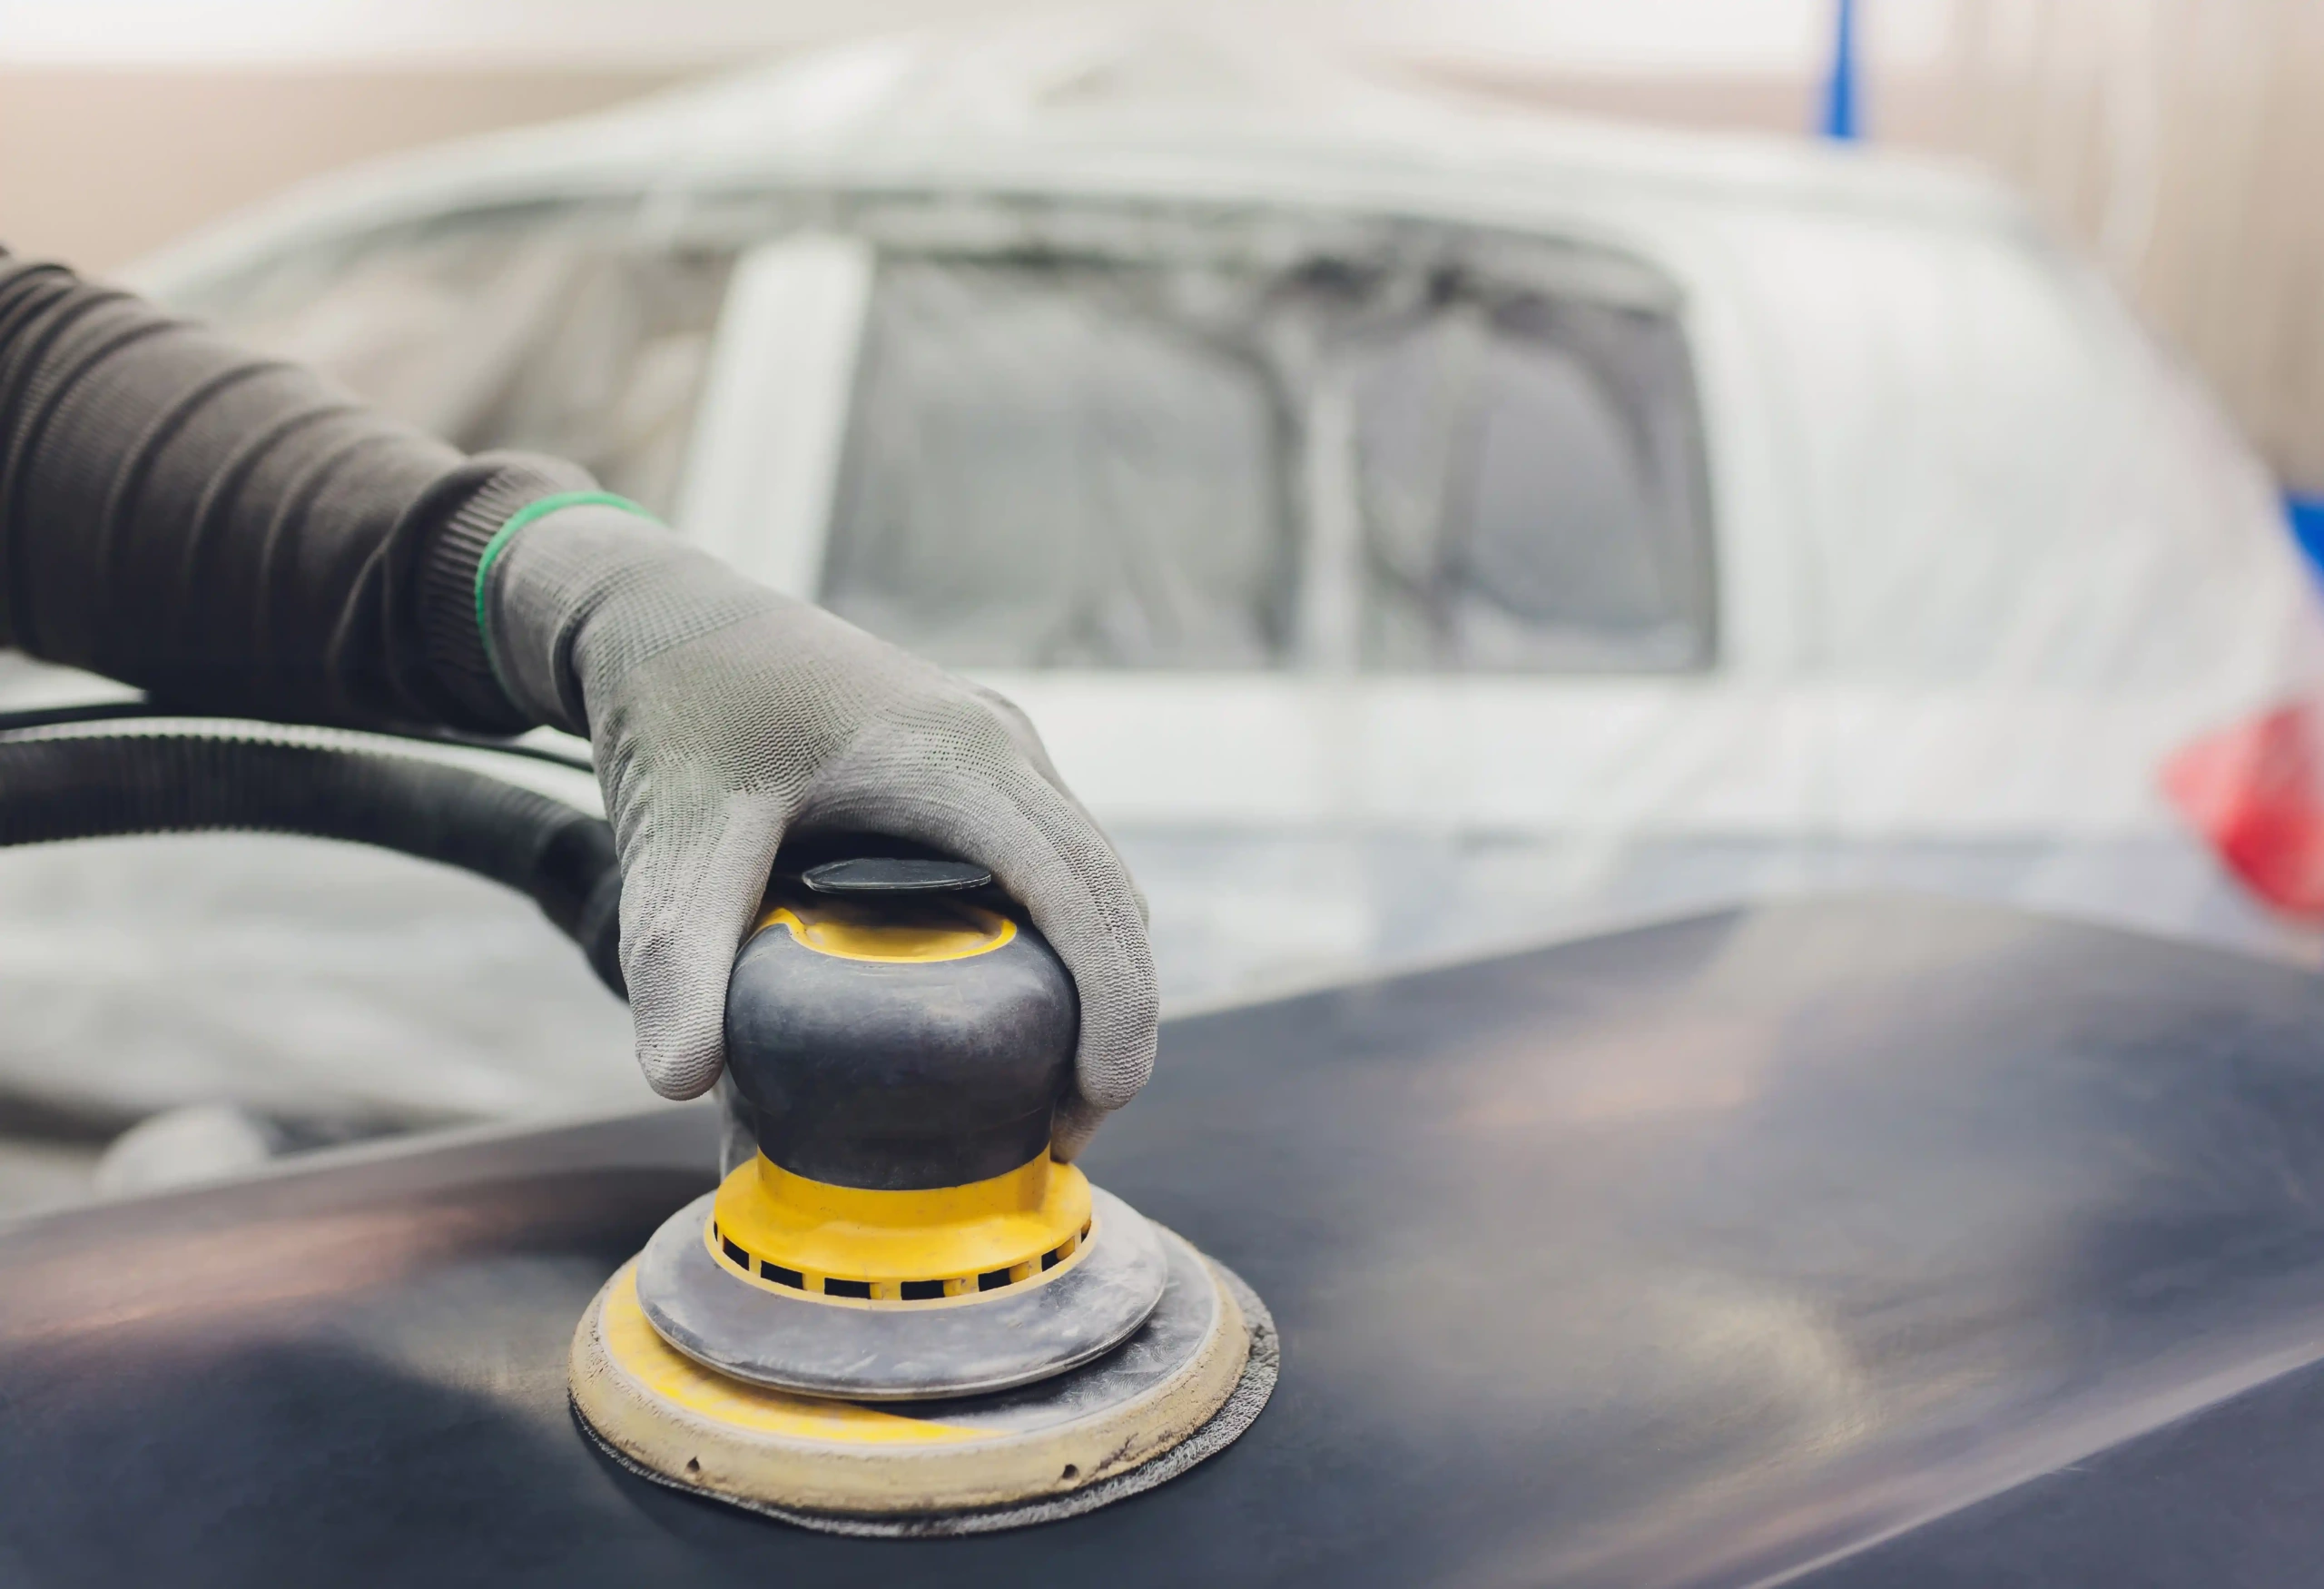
[
  {"x": 873, "y": 1351},
  {"x": 1191, "y": 1379}
]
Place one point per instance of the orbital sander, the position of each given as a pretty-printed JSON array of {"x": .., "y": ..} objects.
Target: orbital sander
[{"x": 901, "y": 1314}]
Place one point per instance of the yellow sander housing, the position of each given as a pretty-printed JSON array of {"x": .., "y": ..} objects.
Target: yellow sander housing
[{"x": 902, "y": 1315}]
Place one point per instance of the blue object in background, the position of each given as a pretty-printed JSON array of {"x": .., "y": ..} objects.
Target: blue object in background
[
  {"x": 2306, "y": 516},
  {"x": 1842, "y": 121}
]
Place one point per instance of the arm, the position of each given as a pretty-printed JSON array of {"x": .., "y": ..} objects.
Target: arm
[
  {"x": 229, "y": 532},
  {"x": 237, "y": 536}
]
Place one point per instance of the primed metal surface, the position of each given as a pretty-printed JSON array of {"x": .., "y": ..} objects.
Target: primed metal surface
[
  {"x": 1855, "y": 1242},
  {"x": 871, "y": 1352}
]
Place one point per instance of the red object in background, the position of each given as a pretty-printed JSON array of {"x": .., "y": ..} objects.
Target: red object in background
[{"x": 2256, "y": 790}]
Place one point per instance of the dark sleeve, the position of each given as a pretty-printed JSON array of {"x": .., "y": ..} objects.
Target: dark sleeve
[{"x": 231, "y": 533}]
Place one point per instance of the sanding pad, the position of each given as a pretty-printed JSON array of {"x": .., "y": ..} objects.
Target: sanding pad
[
  {"x": 872, "y": 1351},
  {"x": 1186, "y": 1384}
]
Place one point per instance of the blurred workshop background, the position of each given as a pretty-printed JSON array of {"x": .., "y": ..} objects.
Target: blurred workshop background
[
  {"x": 1441, "y": 475},
  {"x": 2176, "y": 140}
]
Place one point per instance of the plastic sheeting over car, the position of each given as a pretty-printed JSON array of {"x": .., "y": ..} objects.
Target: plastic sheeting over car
[{"x": 1414, "y": 526}]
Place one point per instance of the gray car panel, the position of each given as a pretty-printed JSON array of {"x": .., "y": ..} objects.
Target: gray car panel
[{"x": 1706, "y": 1253}]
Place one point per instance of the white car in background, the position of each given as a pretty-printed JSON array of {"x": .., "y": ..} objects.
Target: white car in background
[{"x": 1414, "y": 526}]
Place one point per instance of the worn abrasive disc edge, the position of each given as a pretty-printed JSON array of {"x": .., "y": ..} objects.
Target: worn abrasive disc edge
[{"x": 1237, "y": 1413}]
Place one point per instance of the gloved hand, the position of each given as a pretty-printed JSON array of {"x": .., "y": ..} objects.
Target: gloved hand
[{"x": 724, "y": 715}]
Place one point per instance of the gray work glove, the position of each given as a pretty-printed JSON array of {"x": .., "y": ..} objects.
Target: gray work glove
[{"x": 724, "y": 715}]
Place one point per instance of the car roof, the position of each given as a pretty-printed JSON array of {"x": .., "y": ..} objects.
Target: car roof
[{"x": 1103, "y": 107}]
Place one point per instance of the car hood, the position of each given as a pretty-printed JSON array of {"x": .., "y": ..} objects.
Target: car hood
[{"x": 1851, "y": 1241}]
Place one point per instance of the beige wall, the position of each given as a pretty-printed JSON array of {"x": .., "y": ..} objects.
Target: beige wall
[
  {"x": 1914, "y": 112},
  {"x": 2181, "y": 143},
  {"x": 1756, "y": 103},
  {"x": 98, "y": 166}
]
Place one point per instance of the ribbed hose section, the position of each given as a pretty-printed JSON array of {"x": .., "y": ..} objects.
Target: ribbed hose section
[{"x": 108, "y": 785}]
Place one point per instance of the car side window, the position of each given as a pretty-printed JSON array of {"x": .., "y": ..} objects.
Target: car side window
[
  {"x": 1049, "y": 467},
  {"x": 1529, "y": 479},
  {"x": 554, "y": 334}
]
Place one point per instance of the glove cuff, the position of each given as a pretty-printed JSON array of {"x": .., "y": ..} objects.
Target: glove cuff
[
  {"x": 535, "y": 590},
  {"x": 504, "y": 486}
]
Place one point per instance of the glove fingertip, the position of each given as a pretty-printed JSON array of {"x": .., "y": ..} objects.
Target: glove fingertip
[
  {"x": 1076, "y": 1121},
  {"x": 681, "y": 1033},
  {"x": 682, "y": 1080},
  {"x": 677, "y": 973},
  {"x": 1119, "y": 1034}
]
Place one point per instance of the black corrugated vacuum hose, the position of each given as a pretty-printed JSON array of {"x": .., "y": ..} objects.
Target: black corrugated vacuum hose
[{"x": 110, "y": 784}]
